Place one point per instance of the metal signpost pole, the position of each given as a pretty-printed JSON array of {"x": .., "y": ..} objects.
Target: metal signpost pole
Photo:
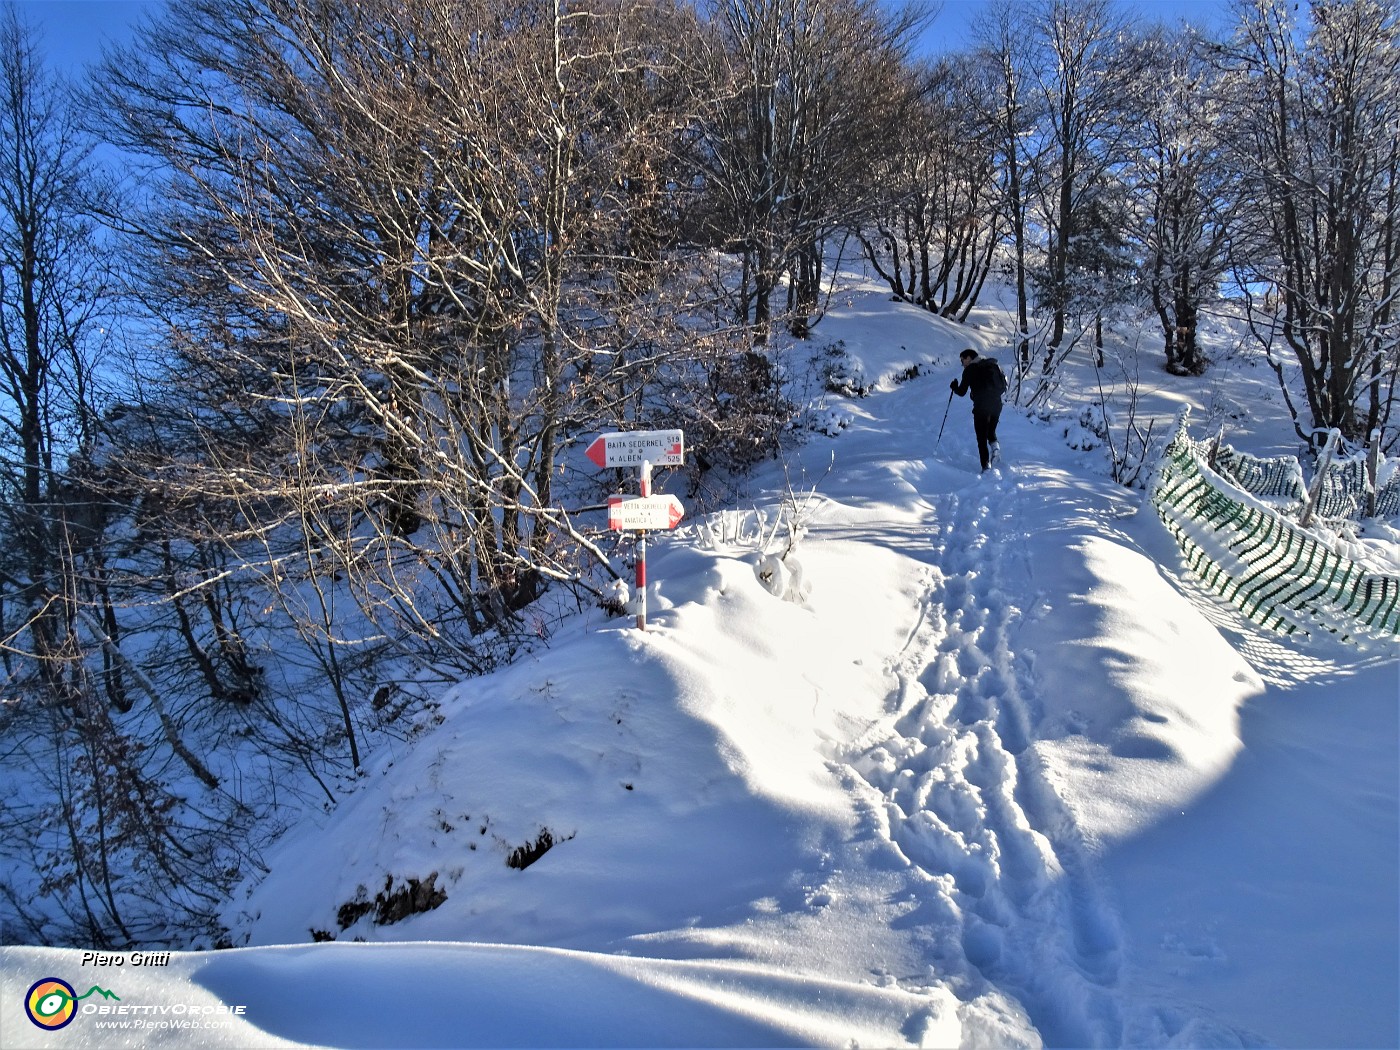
[{"x": 645, "y": 481}]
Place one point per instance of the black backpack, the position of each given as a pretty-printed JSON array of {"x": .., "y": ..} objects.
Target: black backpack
[{"x": 998, "y": 377}]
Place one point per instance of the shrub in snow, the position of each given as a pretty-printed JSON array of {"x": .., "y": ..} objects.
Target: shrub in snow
[
  {"x": 736, "y": 414},
  {"x": 617, "y": 598},
  {"x": 1129, "y": 447},
  {"x": 728, "y": 529},
  {"x": 1086, "y": 432},
  {"x": 768, "y": 568},
  {"x": 828, "y": 421},
  {"x": 841, "y": 375},
  {"x": 773, "y": 543},
  {"x": 780, "y": 572},
  {"x": 781, "y": 576},
  {"x": 905, "y": 375}
]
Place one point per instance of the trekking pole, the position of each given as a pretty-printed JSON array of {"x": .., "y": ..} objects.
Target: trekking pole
[{"x": 945, "y": 420}]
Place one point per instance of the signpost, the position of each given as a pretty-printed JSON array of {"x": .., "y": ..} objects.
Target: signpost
[
  {"x": 645, "y": 512},
  {"x": 642, "y": 449},
  {"x": 660, "y": 448}
]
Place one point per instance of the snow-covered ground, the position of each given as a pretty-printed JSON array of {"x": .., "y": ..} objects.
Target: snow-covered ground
[{"x": 994, "y": 775}]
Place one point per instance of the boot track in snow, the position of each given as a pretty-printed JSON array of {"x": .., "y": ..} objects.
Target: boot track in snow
[{"x": 966, "y": 798}]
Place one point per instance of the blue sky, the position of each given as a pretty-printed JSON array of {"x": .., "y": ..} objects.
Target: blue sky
[
  {"x": 73, "y": 31},
  {"x": 957, "y": 15},
  {"x": 71, "y": 34}
]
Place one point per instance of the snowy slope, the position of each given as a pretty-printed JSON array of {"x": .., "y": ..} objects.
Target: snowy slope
[{"x": 998, "y": 777}]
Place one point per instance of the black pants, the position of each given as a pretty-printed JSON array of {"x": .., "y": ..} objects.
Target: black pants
[{"x": 984, "y": 422}]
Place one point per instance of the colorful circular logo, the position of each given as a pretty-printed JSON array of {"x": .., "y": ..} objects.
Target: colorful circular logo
[{"x": 51, "y": 1003}]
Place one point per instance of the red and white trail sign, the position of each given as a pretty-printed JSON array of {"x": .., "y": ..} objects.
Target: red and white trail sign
[
  {"x": 644, "y": 512},
  {"x": 642, "y": 449},
  {"x": 660, "y": 448}
]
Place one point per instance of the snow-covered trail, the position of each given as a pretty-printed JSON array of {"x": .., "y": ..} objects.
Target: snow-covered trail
[
  {"x": 1008, "y": 903},
  {"x": 961, "y": 765},
  {"x": 966, "y": 799}
]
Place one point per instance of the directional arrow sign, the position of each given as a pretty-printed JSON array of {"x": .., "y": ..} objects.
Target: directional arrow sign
[
  {"x": 644, "y": 512},
  {"x": 660, "y": 448}
]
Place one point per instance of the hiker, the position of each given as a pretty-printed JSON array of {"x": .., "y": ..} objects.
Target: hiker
[{"x": 984, "y": 378}]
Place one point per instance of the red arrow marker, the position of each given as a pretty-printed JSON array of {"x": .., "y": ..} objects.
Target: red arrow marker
[{"x": 598, "y": 452}]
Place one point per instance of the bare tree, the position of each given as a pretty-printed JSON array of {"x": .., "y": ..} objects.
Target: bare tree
[
  {"x": 1180, "y": 178},
  {"x": 1002, "y": 33},
  {"x": 89, "y": 814},
  {"x": 398, "y": 251},
  {"x": 934, "y": 237},
  {"x": 1317, "y": 155},
  {"x": 808, "y": 100},
  {"x": 1083, "y": 70},
  {"x": 51, "y": 291},
  {"x": 1100, "y": 266}
]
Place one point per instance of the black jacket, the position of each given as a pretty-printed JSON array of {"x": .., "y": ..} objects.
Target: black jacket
[{"x": 983, "y": 376}]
